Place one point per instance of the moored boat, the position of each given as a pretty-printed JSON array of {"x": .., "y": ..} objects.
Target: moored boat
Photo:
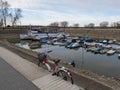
[
  {"x": 73, "y": 45},
  {"x": 25, "y": 37},
  {"x": 103, "y": 51},
  {"x": 110, "y": 52},
  {"x": 97, "y": 51},
  {"x": 119, "y": 56},
  {"x": 35, "y": 45},
  {"x": 118, "y": 51}
]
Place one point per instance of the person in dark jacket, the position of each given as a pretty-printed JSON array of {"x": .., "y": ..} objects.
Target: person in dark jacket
[
  {"x": 41, "y": 58},
  {"x": 73, "y": 63}
]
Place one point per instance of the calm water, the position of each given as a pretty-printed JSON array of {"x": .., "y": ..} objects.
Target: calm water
[{"x": 100, "y": 64}]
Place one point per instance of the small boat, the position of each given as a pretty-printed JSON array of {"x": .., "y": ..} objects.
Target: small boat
[
  {"x": 118, "y": 51},
  {"x": 110, "y": 42},
  {"x": 49, "y": 51},
  {"x": 105, "y": 42},
  {"x": 73, "y": 45},
  {"x": 103, "y": 51},
  {"x": 36, "y": 38},
  {"x": 50, "y": 42},
  {"x": 44, "y": 40},
  {"x": 23, "y": 45},
  {"x": 119, "y": 56},
  {"x": 107, "y": 46},
  {"x": 93, "y": 49},
  {"x": 25, "y": 37},
  {"x": 97, "y": 51},
  {"x": 35, "y": 45},
  {"x": 88, "y": 49},
  {"x": 110, "y": 52}
]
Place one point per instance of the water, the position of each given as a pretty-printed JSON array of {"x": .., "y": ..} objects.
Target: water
[{"x": 100, "y": 64}]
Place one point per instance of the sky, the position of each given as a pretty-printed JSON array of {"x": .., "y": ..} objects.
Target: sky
[{"x": 83, "y": 12}]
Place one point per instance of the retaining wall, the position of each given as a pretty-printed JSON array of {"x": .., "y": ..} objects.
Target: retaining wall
[{"x": 97, "y": 33}]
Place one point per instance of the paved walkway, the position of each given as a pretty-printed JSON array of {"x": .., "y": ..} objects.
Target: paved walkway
[
  {"x": 40, "y": 77},
  {"x": 10, "y": 79}
]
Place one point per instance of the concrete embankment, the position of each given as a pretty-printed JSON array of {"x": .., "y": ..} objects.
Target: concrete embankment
[
  {"x": 37, "y": 75},
  {"x": 83, "y": 78},
  {"x": 97, "y": 33}
]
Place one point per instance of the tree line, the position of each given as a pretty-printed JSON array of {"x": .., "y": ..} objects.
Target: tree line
[
  {"x": 90, "y": 25},
  {"x": 8, "y": 15}
]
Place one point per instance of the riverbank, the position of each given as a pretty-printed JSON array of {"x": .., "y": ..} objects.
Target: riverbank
[
  {"x": 84, "y": 78},
  {"x": 96, "y": 33},
  {"x": 37, "y": 76}
]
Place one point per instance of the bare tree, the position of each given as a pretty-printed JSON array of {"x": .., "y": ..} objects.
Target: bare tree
[
  {"x": 76, "y": 25},
  {"x": 1, "y": 23},
  {"x": 56, "y": 24},
  {"x": 104, "y": 24},
  {"x": 64, "y": 24},
  {"x": 9, "y": 14},
  {"x": 91, "y": 25},
  {"x": 4, "y": 8},
  {"x": 116, "y": 24},
  {"x": 15, "y": 16}
]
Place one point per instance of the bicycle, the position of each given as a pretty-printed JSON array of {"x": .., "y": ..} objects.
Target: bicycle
[
  {"x": 43, "y": 61},
  {"x": 63, "y": 72}
]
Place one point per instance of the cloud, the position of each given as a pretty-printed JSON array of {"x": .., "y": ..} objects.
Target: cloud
[
  {"x": 74, "y": 11},
  {"x": 25, "y": 3},
  {"x": 69, "y": 3},
  {"x": 93, "y": 4},
  {"x": 45, "y": 17}
]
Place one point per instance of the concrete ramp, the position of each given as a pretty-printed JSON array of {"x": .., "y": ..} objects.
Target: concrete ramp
[{"x": 49, "y": 82}]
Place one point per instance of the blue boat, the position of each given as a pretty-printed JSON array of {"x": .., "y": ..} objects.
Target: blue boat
[
  {"x": 44, "y": 40},
  {"x": 88, "y": 39},
  {"x": 73, "y": 45}
]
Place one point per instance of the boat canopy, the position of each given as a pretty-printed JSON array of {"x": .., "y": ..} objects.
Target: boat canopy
[{"x": 88, "y": 39}]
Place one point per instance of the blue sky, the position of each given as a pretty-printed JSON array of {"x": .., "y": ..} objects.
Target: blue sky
[{"x": 43, "y": 12}]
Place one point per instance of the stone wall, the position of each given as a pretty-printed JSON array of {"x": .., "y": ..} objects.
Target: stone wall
[{"x": 97, "y": 33}]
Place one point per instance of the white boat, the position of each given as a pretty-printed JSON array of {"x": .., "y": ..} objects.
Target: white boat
[
  {"x": 25, "y": 37},
  {"x": 73, "y": 45},
  {"x": 26, "y": 45},
  {"x": 104, "y": 41},
  {"x": 119, "y": 56},
  {"x": 110, "y": 42},
  {"x": 107, "y": 46},
  {"x": 59, "y": 43},
  {"x": 110, "y": 52}
]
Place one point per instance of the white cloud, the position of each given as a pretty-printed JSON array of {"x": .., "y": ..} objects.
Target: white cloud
[
  {"x": 24, "y": 3},
  {"x": 45, "y": 17},
  {"x": 70, "y": 3},
  {"x": 47, "y": 11}
]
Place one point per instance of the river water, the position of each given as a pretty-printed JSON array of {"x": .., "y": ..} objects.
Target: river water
[{"x": 97, "y": 63}]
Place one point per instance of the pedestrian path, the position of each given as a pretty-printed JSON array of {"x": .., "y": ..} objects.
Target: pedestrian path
[
  {"x": 39, "y": 76},
  {"x": 10, "y": 79}
]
